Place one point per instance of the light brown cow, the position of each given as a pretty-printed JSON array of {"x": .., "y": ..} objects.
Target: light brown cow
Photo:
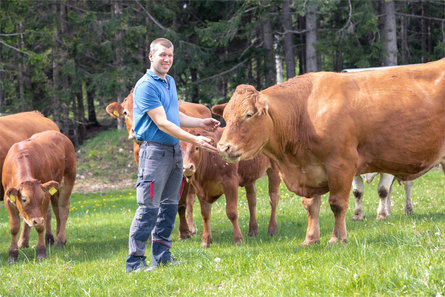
[
  {"x": 125, "y": 110},
  {"x": 18, "y": 127},
  {"x": 312, "y": 127},
  {"x": 34, "y": 172},
  {"x": 211, "y": 177}
]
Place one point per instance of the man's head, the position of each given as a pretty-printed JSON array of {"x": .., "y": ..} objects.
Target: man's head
[{"x": 161, "y": 56}]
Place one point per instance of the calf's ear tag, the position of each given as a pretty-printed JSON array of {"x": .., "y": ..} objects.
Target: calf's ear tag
[
  {"x": 116, "y": 113},
  {"x": 12, "y": 198},
  {"x": 52, "y": 191}
]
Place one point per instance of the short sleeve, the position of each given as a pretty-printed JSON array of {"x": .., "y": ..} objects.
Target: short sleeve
[{"x": 146, "y": 97}]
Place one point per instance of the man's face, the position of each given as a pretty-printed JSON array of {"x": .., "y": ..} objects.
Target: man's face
[{"x": 161, "y": 60}]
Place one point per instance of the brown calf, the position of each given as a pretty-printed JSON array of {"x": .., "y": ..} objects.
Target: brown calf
[
  {"x": 34, "y": 172},
  {"x": 211, "y": 177}
]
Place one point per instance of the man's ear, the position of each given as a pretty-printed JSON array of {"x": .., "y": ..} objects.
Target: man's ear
[
  {"x": 50, "y": 187},
  {"x": 219, "y": 109},
  {"x": 12, "y": 194},
  {"x": 115, "y": 110}
]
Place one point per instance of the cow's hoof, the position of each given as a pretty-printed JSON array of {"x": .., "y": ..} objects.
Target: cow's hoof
[
  {"x": 192, "y": 230},
  {"x": 335, "y": 240},
  {"x": 40, "y": 252},
  {"x": 184, "y": 236},
  {"x": 49, "y": 239},
  {"x": 205, "y": 244},
  {"x": 409, "y": 211},
  {"x": 381, "y": 217},
  {"x": 60, "y": 244},
  {"x": 252, "y": 233},
  {"x": 358, "y": 217},
  {"x": 308, "y": 242},
  {"x": 272, "y": 232},
  {"x": 13, "y": 256}
]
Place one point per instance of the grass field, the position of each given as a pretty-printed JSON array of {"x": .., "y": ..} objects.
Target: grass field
[{"x": 402, "y": 256}]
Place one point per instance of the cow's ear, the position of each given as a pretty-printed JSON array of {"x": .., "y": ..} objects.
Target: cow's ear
[
  {"x": 219, "y": 109},
  {"x": 50, "y": 187},
  {"x": 12, "y": 194},
  {"x": 115, "y": 110},
  {"x": 261, "y": 105},
  {"x": 132, "y": 89}
]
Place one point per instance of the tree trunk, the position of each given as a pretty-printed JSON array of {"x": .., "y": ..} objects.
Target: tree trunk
[
  {"x": 269, "y": 56},
  {"x": 278, "y": 63},
  {"x": 404, "y": 41},
  {"x": 301, "y": 51},
  {"x": 21, "y": 70},
  {"x": 311, "y": 39},
  {"x": 55, "y": 66},
  {"x": 2, "y": 86},
  {"x": 288, "y": 41},
  {"x": 195, "y": 89},
  {"x": 259, "y": 84},
  {"x": 118, "y": 60},
  {"x": 92, "y": 120},
  {"x": 389, "y": 33}
]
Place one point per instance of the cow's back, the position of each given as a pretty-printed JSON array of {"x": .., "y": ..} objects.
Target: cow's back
[
  {"x": 48, "y": 155},
  {"x": 20, "y": 126},
  {"x": 194, "y": 110}
]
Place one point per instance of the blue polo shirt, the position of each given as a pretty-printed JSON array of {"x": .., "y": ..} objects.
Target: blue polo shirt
[{"x": 150, "y": 92}]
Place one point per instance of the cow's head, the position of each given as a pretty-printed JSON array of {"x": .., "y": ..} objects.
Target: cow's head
[
  {"x": 248, "y": 124},
  {"x": 193, "y": 155},
  {"x": 124, "y": 110},
  {"x": 32, "y": 200}
]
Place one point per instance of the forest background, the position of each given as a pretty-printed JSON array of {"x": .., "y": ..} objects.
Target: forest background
[{"x": 70, "y": 58}]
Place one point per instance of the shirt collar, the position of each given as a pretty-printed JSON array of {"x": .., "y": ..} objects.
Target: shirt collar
[{"x": 155, "y": 76}]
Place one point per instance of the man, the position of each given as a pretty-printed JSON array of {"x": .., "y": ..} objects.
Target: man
[{"x": 157, "y": 123}]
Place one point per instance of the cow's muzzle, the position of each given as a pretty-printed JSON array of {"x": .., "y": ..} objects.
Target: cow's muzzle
[
  {"x": 228, "y": 152},
  {"x": 189, "y": 170}
]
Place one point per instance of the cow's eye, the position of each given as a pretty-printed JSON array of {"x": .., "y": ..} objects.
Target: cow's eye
[
  {"x": 249, "y": 114},
  {"x": 24, "y": 200},
  {"x": 197, "y": 148},
  {"x": 125, "y": 112}
]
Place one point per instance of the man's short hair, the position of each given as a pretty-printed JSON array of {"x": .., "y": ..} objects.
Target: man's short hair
[{"x": 161, "y": 41}]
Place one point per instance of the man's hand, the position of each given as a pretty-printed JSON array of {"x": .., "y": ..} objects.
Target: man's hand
[
  {"x": 206, "y": 143},
  {"x": 210, "y": 124}
]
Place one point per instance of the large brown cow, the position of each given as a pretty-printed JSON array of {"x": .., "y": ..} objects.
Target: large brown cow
[
  {"x": 125, "y": 110},
  {"x": 18, "y": 127},
  {"x": 34, "y": 172},
  {"x": 312, "y": 127},
  {"x": 211, "y": 177}
]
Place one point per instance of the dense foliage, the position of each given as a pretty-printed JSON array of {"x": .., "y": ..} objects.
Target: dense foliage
[{"x": 69, "y": 58}]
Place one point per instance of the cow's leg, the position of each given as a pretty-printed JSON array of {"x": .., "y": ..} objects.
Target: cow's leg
[
  {"x": 24, "y": 236},
  {"x": 357, "y": 190},
  {"x": 190, "y": 200},
  {"x": 384, "y": 191},
  {"x": 251, "y": 200},
  {"x": 340, "y": 176},
  {"x": 184, "y": 231},
  {"x": 408, "y": 203},
  {"x": 312, "y": 206},
  {"x": 40, "y": 248},
  {"x": 231, "y": 193},
  {"x": 206, "y": 211},
  {"x": 49, "y": 237},
  {"x": 64, "y": 208},
  {"x": 274, "y": 197},
  {"x": 14, "y": 227}
]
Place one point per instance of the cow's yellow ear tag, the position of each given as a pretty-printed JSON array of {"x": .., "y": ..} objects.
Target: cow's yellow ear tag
[
  {"x": 52, "y": 191},
  {"x": 116, "y": 113},
  {"x": 12, "y": 198}
]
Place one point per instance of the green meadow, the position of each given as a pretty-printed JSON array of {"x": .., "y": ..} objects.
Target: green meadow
[{"x": 401, "y": 256}]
